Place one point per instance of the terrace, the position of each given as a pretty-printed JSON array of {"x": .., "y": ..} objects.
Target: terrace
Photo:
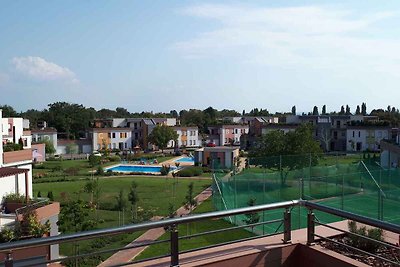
[
  {"x": 287, "y": 247},
  {"x": 17, "y": 156}
]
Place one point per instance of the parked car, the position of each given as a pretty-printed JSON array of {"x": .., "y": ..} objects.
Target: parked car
[
  {"x": 211, "y": 144},
  {"x": 96, "y": 153}
]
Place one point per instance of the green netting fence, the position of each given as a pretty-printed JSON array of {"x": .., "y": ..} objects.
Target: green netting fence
[{"x": 354, "y": 183}]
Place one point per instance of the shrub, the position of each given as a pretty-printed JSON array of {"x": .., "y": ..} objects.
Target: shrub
[
  {"x": 72, "y": 171},
  {"x": 114, "y": 158},
  {"x": 362, "y": 243},
  {"x": 50, "y": 195},
  {"x": 14, "y": 198},
  {"x": 190, "y": 171},
  {"x": 165, "y": 169},
  {"x": 100, "y": 170}
]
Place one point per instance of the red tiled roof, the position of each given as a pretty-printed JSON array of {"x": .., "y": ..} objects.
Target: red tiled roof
[{"x": 8, "y": 171}]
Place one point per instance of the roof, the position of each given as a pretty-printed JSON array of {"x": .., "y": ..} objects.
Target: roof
[
  {"x": 8, "y": 171},
  {"x": 44, "y": 130},
  {"x": 111, "y": 129}
]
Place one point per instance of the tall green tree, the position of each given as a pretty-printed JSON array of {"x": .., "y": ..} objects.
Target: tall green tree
[
  {"x": 270, "y": 147},
  {"x": 121, "y": 202},
  {"x": 315, "y": 111},
  {"x": 364, "y": 108},
  {"x": 161, "y": 135},
  {"x": 358, "y": 110},
  {"x": 324, "y": 110},
  {"x": 294, "y": 110},
  {"x": 74, "y": 217},
  {"x": 48, "y": 146},
  {"x": 348, "y": 112},
  {"x": 8, "y": 111}
]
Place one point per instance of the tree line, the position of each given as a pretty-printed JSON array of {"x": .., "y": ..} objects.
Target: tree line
[{"x": 74, "y": 119}]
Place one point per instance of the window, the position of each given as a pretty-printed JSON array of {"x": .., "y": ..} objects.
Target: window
[
  {"x": 126, "y": 145},
  {"x": 190, "y": 142},
  {"x": 353, "y": 133},
  {"x": 113, "y": 135},
  {"x": 114, "y": 145},
  {"x": 236, "y": 131},
  {"x": 194, "y": 142},
  {"x": 338, "y": 123},
  {"x": 380, "y": 134},
  {"x": 359, "y": 133}
]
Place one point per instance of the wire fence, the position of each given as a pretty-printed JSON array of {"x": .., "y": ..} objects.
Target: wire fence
[{"x": 354, "y": 183}]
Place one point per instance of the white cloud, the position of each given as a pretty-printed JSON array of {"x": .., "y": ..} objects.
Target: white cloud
[
  {"x": 39, "y": 69},
  {"x": 311, "y": 36}
]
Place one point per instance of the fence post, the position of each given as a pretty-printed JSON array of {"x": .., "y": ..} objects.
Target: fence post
[
  {"x": 310, "y": 227},
  {"x": 174, "y": 246},
  {"x": 287, "y": 226},
  {"x": 9, "y": 262}
]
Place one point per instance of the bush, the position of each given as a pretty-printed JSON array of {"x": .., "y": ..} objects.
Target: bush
[
  {"x": 362, "y": 243},
  {"x": 100, "y": 170},
  {"x": 72, "y": 171},
  {"x": 50, "y": 195},
  {"x": 165, "y": 169},
  {"x": 114, "y": 158},
  {"x": 190, "y": 171},
  {"x": 14, "y": 198}
]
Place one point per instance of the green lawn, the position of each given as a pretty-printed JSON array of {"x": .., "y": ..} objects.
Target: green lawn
[
  {"x": 194, "y": 228},
  {"x": 155, "y": 194}
]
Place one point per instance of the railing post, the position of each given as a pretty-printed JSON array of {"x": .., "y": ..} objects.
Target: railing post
[
  {"x": 9, "y": 262},
  {"x": 287, "y": 226},
  {"x": 174, "y": 246},
  {"x": 310, "y": 227}
]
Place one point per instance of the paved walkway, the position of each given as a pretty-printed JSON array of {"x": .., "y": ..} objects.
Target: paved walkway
[{"x": 126, "y": 256}]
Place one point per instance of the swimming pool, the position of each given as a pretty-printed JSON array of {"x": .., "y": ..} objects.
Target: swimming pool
[
  {"x": 185, "y": 159},
  {"x": 137, "y": 168}
]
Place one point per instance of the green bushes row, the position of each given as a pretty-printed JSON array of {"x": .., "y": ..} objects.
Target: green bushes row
[{"x": 192, "y": 171}]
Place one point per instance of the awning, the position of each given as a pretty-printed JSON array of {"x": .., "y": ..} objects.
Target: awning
[{"x": 8, "y": 171}]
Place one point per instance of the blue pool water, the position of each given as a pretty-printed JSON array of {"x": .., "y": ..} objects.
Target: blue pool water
[
  {"x": 137, "y": 168},
  {"x": 185, "y": 159}
]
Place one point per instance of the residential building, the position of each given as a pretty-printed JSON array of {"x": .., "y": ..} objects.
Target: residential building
[
  {"x": 16, "y": 178},
  {"x": 219, "y": 156},
  {"x": 78, "y": 146},
  {"x": 187, "y": 137},
  {"x": 42, "y": 134},
  {"x": 111, "y": 138},
  {"x": 390, "y": 151},
  {"x": 222, "y": 135},
  {"x": 361, "y": 138}
]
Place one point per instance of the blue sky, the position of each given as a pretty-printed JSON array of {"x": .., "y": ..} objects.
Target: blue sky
[{"x": 163, "y": 55}]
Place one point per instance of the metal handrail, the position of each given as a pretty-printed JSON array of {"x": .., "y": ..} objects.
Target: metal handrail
[
  {"x": 172, "y": 224},
  {"x": 352, "y": 216},
  {"x": 23, "y": 244}
]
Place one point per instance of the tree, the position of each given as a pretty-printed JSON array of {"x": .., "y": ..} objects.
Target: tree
[
  {"x": 133, "y": 198},
  {"x": 253, "y": 217},
  {"x": 276, "y": 143},
  {"x": 315, "y": 110},
  {"x": 90, "y": 188},
  {"x": 358, "y": 110},
  {"x": 364, "y": 108},
  {"x": 50, "y": 195},
  {"x": 74, "y": 217},
  {"x": 71, "y": 149},
  {"x": 342, "y": 112},
  {"x": 48, "y": 146},
  {"x": 8, "y": 111},
  {"x": 324, "y": 110},
  {"x": 121, "y": 202},
  {"x": 94, "y": 160},
  {"x": 348, "y": 112},
  {"x": 294, "y": 110},
  {"x": 190, "y": 202},
  {"x": 161, "y": 135}
]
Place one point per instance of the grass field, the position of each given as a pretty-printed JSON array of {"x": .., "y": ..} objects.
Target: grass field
[
  {"x": 194, "y": 228},
  {"x": 155, "y": 194}
]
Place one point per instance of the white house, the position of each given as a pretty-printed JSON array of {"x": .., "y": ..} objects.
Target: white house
[{"x": 361, "y": 138}]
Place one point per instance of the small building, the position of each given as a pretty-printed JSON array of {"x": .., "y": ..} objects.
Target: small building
[
  {"x": 216, "y": 157},
  {"x": 42, "y": 134},
  {"x": 187, "y": 137}
]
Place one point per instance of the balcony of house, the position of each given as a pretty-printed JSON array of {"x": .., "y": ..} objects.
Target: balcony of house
[
  {"x": 16, "y": 156},
  {"x": 287, "y": 246}
]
